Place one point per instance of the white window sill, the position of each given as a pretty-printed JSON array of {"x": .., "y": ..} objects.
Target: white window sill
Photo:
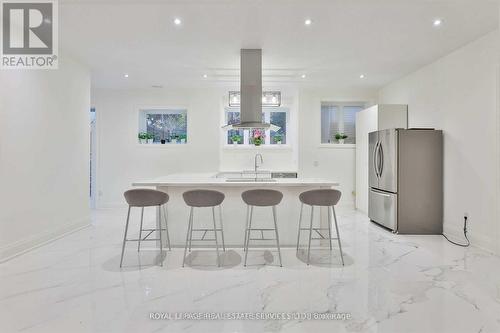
[
  {"x": 159, "y": 145},
  {"x": 253, "y": 147},
  {"x": 337, "y": 145}
]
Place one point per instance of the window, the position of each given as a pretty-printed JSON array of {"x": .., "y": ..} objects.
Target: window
[
  {"x": 339, "y": 118},
  {"x": 275, "y": 115},
  {"x": 162, "y": 126},
  {"x": 233, "y": 117}
]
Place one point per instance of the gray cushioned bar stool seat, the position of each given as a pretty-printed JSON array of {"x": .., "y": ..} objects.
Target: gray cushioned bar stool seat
[
  {"x": 204, "y": 199},
  {"x": 261, "y": 198},
  {"x": 323, "y": 198},
  {"x": 143, "y": 198}
]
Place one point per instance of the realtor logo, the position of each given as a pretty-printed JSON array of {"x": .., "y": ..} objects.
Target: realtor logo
[{"x": 29, "y": 34}]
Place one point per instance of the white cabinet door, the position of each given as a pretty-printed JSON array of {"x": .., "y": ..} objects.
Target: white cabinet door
[{"x": 366, "y": 122}]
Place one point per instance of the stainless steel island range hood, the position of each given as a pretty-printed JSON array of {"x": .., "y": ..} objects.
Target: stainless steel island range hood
[{"x": 251, "y": 92}]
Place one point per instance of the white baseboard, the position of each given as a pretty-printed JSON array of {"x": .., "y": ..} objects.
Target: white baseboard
[
  {"x": 456, "y": 233},
  {"x": 22, "y": 246}
]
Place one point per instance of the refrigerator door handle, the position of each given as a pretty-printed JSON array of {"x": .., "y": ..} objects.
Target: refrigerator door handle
[
  {"x": 381, "y": 158},
  {"x": 375, "y": 159}
]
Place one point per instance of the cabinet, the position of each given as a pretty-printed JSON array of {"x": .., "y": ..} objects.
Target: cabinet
[{"x": 375, "y": 118}]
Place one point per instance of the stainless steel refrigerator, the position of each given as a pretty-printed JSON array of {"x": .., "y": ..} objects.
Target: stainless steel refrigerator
[{"x": 406, "y": 180}]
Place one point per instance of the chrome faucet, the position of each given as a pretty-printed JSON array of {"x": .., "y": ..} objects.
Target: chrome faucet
[{"x": 256, "y": 165}]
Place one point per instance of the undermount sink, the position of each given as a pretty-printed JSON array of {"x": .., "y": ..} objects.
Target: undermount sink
[{"x": 249, "y": 180}]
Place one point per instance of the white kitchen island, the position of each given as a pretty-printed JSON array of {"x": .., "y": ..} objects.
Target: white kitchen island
[{"x": 232, "y": 184}]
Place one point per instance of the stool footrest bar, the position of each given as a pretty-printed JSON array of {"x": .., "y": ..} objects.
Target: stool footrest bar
[{"x": 149, "y": 233}]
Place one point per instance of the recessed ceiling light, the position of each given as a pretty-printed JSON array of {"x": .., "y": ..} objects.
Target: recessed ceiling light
[
  {"x": 303, "y": 76},
  {"x": 125, "y": 75},
  {"x": 362, "y": 76},
  {"x": 308, "y": 22},
  {"x": 437, "y": 22},
  {"x": 205, "y": 76},
  {"x": 177, "y": 21}
]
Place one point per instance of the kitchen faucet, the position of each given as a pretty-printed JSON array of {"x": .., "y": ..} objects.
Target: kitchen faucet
[{"x": 256, "y": 165}]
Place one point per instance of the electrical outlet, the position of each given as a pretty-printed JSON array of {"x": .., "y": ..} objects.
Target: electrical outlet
[{"x": 466, "y": 215}]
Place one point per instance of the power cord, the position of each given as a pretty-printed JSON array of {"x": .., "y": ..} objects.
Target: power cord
[{"x": 465, "y": 235}]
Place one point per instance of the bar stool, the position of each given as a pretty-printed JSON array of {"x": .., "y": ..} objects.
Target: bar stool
[
  {"x": 201, "y": 199},
  {"x": 146, "y": 198},
  {"x": 261, "y": 198},
  {"x": 323, "y": 198}
]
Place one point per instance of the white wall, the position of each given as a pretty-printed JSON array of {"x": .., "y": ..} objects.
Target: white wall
[
  {"x": 322, "y": 161},
  {"x": 458, "y": 94},
  {"x": 44, "y": 154},
  {"x": 121, "y": 160}
]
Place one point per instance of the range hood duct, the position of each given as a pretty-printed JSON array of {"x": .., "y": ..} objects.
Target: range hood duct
[{"x": 251, "y": 92}]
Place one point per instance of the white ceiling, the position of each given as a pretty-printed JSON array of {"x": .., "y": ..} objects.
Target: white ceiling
[{"x": 383, "y": 39}]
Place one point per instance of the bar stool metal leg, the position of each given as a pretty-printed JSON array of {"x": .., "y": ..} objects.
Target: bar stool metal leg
[
  {"x": 249, "y": 227},
  {"x": 338, "y": 235},
  {"x": 159, "y": 234},
  {"x": 187, "y": 235},
  {"x": 310, "y": 235},
  {"x": 300, "y": 225},
  {"x": 191, "y": 230},
  {"x": 248, "y": 236},
  {"x": 246, "y": 230},
  {"x": 222, "y": 229},
  {"x": 125, "y": 236},
  {"x": 215, "y": 234},
  {"x": 165, "y": 215},
  {"x": 329, "y": 228},
  {"x": 277, "y": 237},
  {"x": 140, "y": 230}
]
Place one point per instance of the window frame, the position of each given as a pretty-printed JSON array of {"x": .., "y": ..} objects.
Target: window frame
[
  {"x": 163, "y": 108},
  {"x": 340, "y": 106},
  {"x": 246, "y": 133}
]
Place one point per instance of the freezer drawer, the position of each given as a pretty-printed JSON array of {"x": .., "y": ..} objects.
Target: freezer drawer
[{"x": 383, "y": 208}]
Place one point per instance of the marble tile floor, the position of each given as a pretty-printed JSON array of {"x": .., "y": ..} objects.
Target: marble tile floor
[{"x": 390, "y": 283}]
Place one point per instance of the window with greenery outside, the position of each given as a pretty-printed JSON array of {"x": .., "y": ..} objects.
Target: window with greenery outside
[
  {"x": 274, "y": 115},
  {"x": 164, "y": 125}
]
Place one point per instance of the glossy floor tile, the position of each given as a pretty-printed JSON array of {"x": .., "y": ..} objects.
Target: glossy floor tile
[{"x": 390, "y": 283}]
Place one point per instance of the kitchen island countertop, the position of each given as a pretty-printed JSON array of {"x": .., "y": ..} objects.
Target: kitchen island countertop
[{"x": 208, "y": 179}]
